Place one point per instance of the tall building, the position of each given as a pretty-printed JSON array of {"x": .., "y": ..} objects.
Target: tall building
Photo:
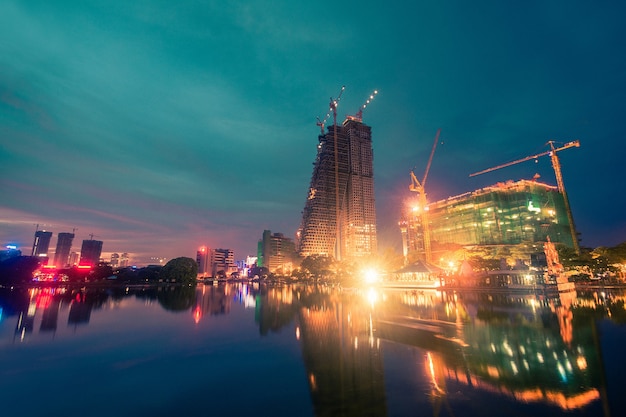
[
  {"x": 124, "y": 260},
  {"x": 339, "y": 216},
  {"x": 222, "y": 260},
  {"x": 64, "y": 246},
  {"x": 508, "y": 213},
  {"x": 90, "y": 252},
  {"x": 115, "y": 260},
  {"x": 41, "y": 243},
  {"x": 203, "y": 258},
  {"x": 277, "y": 253}
]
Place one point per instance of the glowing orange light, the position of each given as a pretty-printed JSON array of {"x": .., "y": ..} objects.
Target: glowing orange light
[{"x": 197, "y": 314}]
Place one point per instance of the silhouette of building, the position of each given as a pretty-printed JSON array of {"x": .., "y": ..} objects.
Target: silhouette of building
[
  {"x": 339, "y": 216},
  {"x": 90, "y": 252},
  {"x": 11, "y": 251},
  {"x": 64, "y": 246},
  {"x": 277, "y": 253},
  {"x": 41, "y": 243}
]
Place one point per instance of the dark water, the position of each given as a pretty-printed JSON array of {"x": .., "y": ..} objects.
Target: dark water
[{"x": 240, "y": 350}]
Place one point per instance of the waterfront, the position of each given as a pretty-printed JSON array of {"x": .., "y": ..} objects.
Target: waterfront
[{"x": 299, "y": 350}]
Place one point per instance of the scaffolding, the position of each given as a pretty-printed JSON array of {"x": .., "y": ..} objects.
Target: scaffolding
[
  {"x": 508, "y": 213},
  {"x": 339, "y": 216}
]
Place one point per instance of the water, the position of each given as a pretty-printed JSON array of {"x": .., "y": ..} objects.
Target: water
[{"x": 297, "y": 350}]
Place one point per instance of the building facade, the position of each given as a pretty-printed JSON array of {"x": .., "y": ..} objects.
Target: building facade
[
  {"x": 277, "y": 253},
  {"x": 203, "y": 258},
  {"x": 90, "y": 252},
  {"x": 64, "y": 246},
  {"x": 508, "y": 213},
  {"x": 41, "y": 243},
  {"x": 339, "y": 216},
  {"x": 223, "y": 261}
]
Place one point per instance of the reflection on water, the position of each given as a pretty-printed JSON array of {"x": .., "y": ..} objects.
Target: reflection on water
[{"x": 536, "y": 354}]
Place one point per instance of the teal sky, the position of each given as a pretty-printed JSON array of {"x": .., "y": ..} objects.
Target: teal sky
[{"x": 160, "y": 126}]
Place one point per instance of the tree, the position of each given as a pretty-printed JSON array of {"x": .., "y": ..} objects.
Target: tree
[
  {"x": 18, "y": 269},
  {"x": 181, "y": 269},
  {"x": 317, "y": 265}
]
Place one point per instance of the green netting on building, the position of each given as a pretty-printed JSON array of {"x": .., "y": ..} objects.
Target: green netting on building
[{"x": 503, "y": 214}]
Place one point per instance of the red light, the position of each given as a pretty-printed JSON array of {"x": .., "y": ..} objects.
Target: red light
[
  {"x": 84, "y": 266},
  {"x": 197, "y": 314}
]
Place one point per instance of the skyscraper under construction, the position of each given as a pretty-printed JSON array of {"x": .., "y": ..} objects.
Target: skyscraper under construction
[{"x": 339, "y": 216}]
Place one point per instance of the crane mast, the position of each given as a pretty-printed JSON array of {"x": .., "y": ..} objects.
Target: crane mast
[
  {"x": 419, "y": 188},
  {"x": 333, "y": 108},
  {"x": 556, "y": 165}
]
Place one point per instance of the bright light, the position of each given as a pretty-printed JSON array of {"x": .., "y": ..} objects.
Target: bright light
[
  {"x": 372, "y": 296},
  {"x": 371, "y": 275}
]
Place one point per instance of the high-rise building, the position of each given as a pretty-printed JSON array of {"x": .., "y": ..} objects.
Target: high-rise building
[
  {"x": 74, "y": 258},
  {"x": 124, "y": 260},
  {"x": 41, "y": 243},
  {"x": 115, "y": 260},
  {"x": 203, "y": 258},
  {"x": 64, "y": 246},
  {"x": 508, "y": 213},
  {"x": 90, "y": 252},
  {"x": 222, "y": 260},
  {"x": 339, "y": 216},
  {"x": 277, "y": 253}
]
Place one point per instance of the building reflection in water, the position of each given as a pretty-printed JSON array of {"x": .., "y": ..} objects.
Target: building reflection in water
[
  {"x": 341, "y": 353},
  {"x": 527, "y": 347},
  {"x": 531, "y": 348}
]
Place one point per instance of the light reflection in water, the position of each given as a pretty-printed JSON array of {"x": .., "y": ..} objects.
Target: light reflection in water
[{"x": 525, "y": 347}]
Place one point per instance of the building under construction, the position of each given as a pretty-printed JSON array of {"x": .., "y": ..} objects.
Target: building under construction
[
  {"x": 339, "y": 216},
  {"x": 508, "y": 213}
]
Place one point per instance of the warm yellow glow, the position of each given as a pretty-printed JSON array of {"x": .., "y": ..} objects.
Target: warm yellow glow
[
  {"x": 370, "y": 275},
  {"x": 372, "y": 296}
]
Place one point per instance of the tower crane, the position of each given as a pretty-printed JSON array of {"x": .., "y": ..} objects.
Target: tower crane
[
  {"x": 419, "y": 187},
  {"x": 332, "y": 109},
  {"x": 556, "y": 165},
  {"x": 359, "y": 114}
]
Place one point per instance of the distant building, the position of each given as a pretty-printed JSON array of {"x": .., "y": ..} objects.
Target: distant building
[
  {"x": 64, "y": 246},
  {"x": 214, "y": 262},
  {"x": 277, "y": 253},
  {"x": 124, "y": 260},
  {"x": 339, "y": 216},
  {"x": 90, "y": 252},
  {"x": 508, "y": 213},
  {"x": 203, "y": 258},
  {"x": 74, "y": 258},
  {"x": 11, "y": 251},
  {"x": 41, "y": 243},
  {"x": 223, "y": 260},
  {"x": 115, "y": 260}
]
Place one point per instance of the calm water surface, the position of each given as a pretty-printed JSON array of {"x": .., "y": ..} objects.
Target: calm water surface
[{"x": 296, "y": 350}]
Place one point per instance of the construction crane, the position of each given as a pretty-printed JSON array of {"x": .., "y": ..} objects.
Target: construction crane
[
  {"x": 359, "y": 114},
  {"x": 332, "y": 109},
  {"x": 419, "y": 187},
  {"x": 556, "y": 165}
]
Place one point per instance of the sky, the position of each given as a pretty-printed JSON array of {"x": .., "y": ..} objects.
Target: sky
[{"x": 159, "y": 126}]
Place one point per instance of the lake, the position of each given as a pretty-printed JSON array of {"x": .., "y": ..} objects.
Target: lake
[{"x": 304, "y": 350}]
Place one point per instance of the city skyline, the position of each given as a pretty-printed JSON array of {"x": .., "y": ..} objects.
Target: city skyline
[{"x": 160, "y": 128}]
